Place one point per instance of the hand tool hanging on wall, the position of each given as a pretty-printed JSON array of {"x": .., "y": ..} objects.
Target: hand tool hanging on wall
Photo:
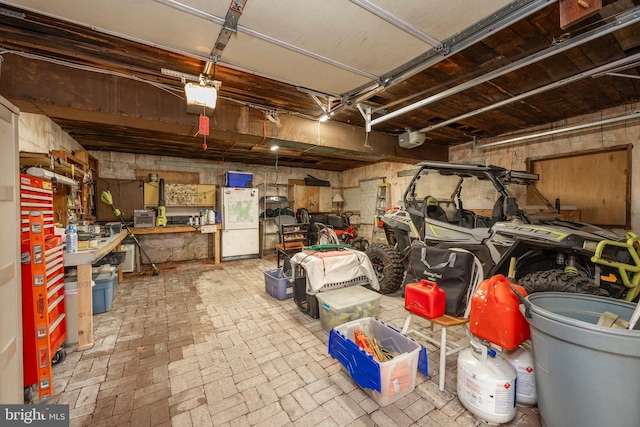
[
  {"x": 108, "y": 199},
  {"x": 161, "y": 219}
]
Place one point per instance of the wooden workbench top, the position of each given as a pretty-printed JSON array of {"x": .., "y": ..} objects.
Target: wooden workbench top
[{"x": 91, "y": 255}]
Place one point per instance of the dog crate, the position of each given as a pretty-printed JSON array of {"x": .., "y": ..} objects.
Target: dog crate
[{"x": 305, "y": 292}]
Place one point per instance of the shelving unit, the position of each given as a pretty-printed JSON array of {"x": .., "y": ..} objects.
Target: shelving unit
[
  {"x": 78, "y": 166},
  {"x": 294, "y": 236},
  {"x": 269, "y": 226}
]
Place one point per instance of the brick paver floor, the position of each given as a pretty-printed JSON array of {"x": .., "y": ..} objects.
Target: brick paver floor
[{"x": 204, "y": 345}]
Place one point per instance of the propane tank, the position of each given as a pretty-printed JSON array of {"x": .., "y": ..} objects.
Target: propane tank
[
  {"x": 522, "y": 359},
  {"x": 487, "y": 384}
]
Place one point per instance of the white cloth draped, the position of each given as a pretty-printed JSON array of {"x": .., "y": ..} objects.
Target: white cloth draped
[{"x": 330, "y": 267}]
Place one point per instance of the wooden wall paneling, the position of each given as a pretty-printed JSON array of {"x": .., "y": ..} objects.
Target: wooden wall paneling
[
  {"x": 310, "y": 197},
  {"x": 207, "y": 195},
  {"x": 174, "y": 177},
  {"x": 597, "y": 183},
  {"x": 151, "y": 194},
  {"x": 324, "y": 199},
  {"x": 307, "y": 197},
  {"x": 127, "y": 196},
  {"x": 60, "y": 213}
]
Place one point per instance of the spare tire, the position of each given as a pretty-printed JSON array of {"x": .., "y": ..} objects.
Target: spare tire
[
  {"x": 387, "y": 263},
  {"x": 559, "y": 281}
]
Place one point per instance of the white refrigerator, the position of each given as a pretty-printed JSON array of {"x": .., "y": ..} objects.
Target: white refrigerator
[{"x": 240, "y": 236}]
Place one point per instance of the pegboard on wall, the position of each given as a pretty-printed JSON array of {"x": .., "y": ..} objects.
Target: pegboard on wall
[{"x": 368, "y": 194}]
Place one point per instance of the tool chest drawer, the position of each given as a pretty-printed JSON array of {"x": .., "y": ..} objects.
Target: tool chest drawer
[{"x": 36, "y": 194}]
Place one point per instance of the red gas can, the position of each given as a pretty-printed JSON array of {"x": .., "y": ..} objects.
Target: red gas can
[
  {"x": 495, "y": 315},
  {"x": 425, "y": 298}
]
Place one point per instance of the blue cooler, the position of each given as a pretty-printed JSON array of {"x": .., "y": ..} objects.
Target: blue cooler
[{"x": 238, "y": 180}]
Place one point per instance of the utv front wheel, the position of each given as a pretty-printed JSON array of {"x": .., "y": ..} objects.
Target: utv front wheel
[
  {"x": 559, "y": 281},
  {"x": 387, "y": 265}
]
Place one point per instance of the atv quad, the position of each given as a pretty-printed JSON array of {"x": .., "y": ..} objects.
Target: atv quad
[
  {"x": 498, "y": 214},
  {"x": 340, "y": 225}
]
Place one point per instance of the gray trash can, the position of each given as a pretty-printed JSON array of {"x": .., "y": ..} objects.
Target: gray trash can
[
  {"x": 586, "y": 375},
  {"x": 71, "y": 306}
]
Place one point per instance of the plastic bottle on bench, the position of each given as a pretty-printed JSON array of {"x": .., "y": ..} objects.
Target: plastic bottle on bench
[{"x": 72, "y": 239}]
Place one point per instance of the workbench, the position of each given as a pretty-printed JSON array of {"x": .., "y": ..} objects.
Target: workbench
[
  {"x": 83, "y": 260},
  {"x": 214, "y": 237}
]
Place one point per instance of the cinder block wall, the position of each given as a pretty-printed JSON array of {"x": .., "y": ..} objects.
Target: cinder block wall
[
  {"x": 398, "y": 184},
  {"x": 189, "y": 246}
]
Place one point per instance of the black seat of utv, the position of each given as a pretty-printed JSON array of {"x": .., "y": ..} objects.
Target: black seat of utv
[{"x": 433, "y": 210}]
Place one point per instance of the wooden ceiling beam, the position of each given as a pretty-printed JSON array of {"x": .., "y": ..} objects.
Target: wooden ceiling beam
[{"x": 128, "y": 106}]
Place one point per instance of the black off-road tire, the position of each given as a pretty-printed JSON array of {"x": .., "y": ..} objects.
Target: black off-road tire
[
  {"x": 559, "y": 281},
  {"x": 386, "y": 261}
]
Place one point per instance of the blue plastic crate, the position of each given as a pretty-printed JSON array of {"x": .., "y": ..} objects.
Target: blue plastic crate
[
  {"x": 239, "y": 179},
  {"x": 277, "y": 285},
  {"x": 387, "y": 381}
]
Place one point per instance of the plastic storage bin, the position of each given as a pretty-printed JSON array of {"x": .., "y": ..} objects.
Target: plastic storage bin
[
  {"x": 343, "y": 305},
  {"x": 306, "y": 300},
  {"x": 238, "y": 179},
  {"x": 103, "y": 291},
  {"x": 387, "y": 381},
  {"x": 277, "y": 284}
]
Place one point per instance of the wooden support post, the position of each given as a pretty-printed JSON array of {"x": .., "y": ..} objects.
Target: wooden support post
[{"x": 85, "y": 307}]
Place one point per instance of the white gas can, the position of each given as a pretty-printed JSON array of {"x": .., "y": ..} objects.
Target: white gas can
[
  {"x": 487, "y": 384},
  {"x": 521, "y": 358}
]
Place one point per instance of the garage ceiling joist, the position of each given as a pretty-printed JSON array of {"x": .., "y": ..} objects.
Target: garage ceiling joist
[
  {"x": 271, "y": 67},
  {"x": 625, "y": 20}
]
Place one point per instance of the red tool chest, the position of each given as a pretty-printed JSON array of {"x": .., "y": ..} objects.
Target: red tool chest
[
  {"x": 36, "y": 194},
  {"x": 44, "y": 324}
]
